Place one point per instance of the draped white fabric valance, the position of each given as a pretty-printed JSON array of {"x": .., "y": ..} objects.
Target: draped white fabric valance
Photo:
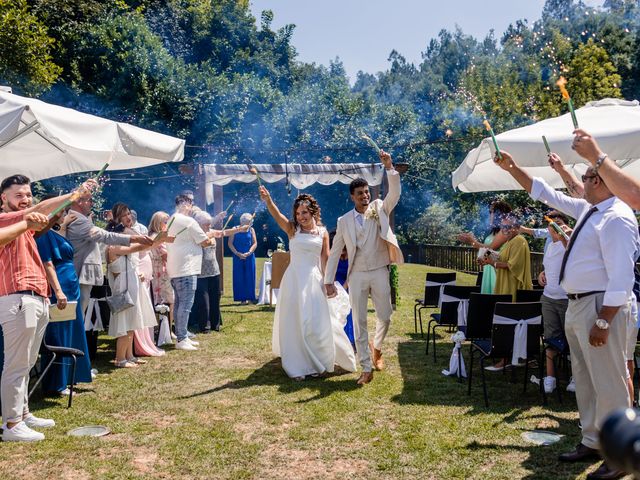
[{"x": 301, "y": 176}]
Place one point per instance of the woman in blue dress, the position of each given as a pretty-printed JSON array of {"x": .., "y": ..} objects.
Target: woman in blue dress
[
  {"x": 243, "y": 245},
  {"x": 57, "y": 256},
  {"x": 341, "y": 278}
]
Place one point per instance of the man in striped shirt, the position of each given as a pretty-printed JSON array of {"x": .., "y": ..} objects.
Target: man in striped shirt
[{"x": 24, "y": 305}]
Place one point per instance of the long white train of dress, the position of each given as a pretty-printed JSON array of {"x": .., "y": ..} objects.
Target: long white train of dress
[{"x": 308, "y": 328}]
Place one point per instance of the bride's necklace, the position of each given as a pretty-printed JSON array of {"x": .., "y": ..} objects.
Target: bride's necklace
[{"x": 313, "y": 231}]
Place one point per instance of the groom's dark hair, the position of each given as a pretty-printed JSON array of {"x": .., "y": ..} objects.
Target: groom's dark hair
[{"x": 357, "y": 183}]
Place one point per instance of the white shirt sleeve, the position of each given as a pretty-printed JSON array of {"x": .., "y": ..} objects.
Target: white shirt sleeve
[
  {"x": 543, "y": 192},
  {"x": 619, "y": 255},
  {"x": 541, "y": 233},
  {"x": 196, "y": 232}
]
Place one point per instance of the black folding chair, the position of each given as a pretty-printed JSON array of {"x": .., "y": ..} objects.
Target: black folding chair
[
  {"x": 480, "y": 317},
  {"x": 500, "y": 345},
  {"x": 431, "y": 295},
  {"x": 460, "y": 292},
  {"x": 529, "y": 295},
  {"x": 59, "y": 352}
]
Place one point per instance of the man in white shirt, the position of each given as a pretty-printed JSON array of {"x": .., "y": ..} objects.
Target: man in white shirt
[
  {"x": 137, "y": 226},
  {"x": 184, "y": 263},
  {"x": 597, "y": 274},
  {"x": 554, "y": 299}
]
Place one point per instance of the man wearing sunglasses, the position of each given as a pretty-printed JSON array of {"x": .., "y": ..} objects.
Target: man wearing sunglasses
[{"x": 597, "y": 274}]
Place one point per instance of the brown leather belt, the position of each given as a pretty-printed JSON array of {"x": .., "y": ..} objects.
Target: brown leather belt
[{"x": 577, "y": 296}]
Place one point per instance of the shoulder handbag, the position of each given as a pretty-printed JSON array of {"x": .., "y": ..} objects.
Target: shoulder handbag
[{"x": 121, "y": 301}]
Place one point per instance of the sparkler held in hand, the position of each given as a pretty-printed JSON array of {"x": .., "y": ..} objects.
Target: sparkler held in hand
[
  {"x": 546, "y": 145},
  {"x": 487, "y": 125},
  {"x": 557, "y": 228},
  {"x": 255, "y": 172},
  {"x": 370, "y": 141},
  {"x": 227, "y": 222},
  {"x": 77, "y": 194},
  {"x": 565, "y": 94}
]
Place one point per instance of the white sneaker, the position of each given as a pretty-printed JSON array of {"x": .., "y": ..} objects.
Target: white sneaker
[
  {"x": 572, "y": 386},
  {"x": 173, "y": 336},
  {"x": 21, "y": 433},
  {"x": 94, "y": 373},
  {"x": 549, "y": 384},
  {"x": 190, "y": 334},
  {"x": 65, "y": 392},
  {"x": 186, "y": 345},
  {"x": 193, "y": 342},
  {"x": 36, "y": 422}
]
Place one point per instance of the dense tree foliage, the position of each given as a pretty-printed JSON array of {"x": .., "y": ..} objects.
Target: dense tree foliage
[{"x": 208, "y": 71}]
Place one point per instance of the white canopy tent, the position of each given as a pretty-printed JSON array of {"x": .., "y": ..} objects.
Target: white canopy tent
[
  {"x": 301, "y": 176},
  {"x": 614, "y": 123},
  {"x": 41, "y": 141}
]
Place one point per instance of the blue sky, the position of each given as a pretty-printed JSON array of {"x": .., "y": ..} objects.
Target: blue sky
[{"x": 363, "y": 32}]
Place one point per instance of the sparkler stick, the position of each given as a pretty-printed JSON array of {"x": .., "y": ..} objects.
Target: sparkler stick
[
  {"x": 227, "y": 222},
  {"x": 181, "y": 231},
  {"x": 557, "y": 228},
  {"x": 226, "y": 210},
  {"x": 255, "y": 172},
  {"x": 170, "y": 223},
  {"x": 487, "y": 125},
  {"x": 565, "y": 94},
  {"x": 373, "y": 144},
  {"x": 546, "y": 145},
  {"x": 75, "y": 194}
]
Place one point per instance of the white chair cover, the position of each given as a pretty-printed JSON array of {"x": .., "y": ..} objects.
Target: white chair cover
[
  {"x": 457, "y": 358},
  {"x": 520, "y": 334},
  {"x": 429, "y": 283},
  {"x": 93, "y": 309},
  {"x": 164, "y": 334},
  {"x": 463, "y": 307}
]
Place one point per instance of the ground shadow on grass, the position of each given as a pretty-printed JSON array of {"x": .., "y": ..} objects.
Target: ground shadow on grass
[
  {"x": 271, "y": 374},
  {"x": 424, "y": 384}
]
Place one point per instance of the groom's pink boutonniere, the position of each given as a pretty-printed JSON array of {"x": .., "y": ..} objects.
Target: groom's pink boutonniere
[{"x": 372, "y": 214}]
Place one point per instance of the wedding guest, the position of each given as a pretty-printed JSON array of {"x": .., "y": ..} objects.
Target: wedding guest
[
  {"x": 56, "y": 254},
  {"x": 86, "y": 238},
  {"x": 341, "y": 278},
  {"x": 24, "y": 305},
  {"x": 206, "y": 307},
  {"x": 160, "y": 281},
  {"x": 136, "y": 321},
  {"x": 513, "y": 266},
  {"x": 137, "y": 227},
  {"x": 184, "y": 264},
  {"x": 243, "y": 245},
  {"x": 597, "y": 274},
  {"x": 493, "y": 241},
  {"x": 554, "y": 299}
]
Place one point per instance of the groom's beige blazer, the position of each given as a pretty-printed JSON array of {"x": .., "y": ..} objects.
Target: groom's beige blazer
[{"x": 384, "y": 249}]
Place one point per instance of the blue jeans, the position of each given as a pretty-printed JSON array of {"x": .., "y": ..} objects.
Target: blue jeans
[{"x": 185, "y": 291}]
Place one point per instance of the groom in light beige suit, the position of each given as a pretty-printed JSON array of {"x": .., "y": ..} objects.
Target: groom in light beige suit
[{"x": 371, "y": 247}]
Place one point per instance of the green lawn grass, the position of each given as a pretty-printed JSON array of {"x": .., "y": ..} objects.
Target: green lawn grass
[{"x": 229, "y": 411}]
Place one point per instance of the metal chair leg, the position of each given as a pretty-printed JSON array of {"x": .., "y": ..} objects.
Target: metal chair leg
[
  {"x": 44, "y": 372},
  {"x": 73, "y": 379},
  {"x": 484, "y": 382},
  {"x": 470, "y": 373}
]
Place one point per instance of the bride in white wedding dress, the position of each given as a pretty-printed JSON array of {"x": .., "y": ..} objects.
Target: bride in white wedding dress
[{"x": 308, "y": 328}]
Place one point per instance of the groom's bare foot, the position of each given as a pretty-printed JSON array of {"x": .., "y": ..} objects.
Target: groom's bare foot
[
  {"x": 365, "y": 377},
  {"x": 378, "y": 362}
]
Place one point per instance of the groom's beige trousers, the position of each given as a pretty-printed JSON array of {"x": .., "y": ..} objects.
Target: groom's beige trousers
[{"x": 361, "y": 284}]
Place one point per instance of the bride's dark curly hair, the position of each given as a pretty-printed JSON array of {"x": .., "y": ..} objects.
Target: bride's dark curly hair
[{"x": 304, "y": 199}]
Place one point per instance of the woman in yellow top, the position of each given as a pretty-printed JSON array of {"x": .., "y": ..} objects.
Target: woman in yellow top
[{"x": 513, "y": 266}]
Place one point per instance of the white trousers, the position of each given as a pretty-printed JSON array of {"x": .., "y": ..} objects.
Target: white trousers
[
  {"x": 23, "y": 319},
  {"x": 361, "y": 284},
  {"x": 600, "y": 373}
]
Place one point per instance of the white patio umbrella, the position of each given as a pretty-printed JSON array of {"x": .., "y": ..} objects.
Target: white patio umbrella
[
  {"x": 41, "y": 140},
  {"x": 614, "y": 123}
]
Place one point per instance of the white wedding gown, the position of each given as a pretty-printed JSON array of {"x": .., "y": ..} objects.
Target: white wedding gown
[{"x": 308, "y": 328}]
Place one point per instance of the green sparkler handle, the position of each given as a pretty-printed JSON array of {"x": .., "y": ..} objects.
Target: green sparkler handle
[
  {"x": 559, "y": 230},
  {"x": 102, "y": 170},
  {"x": 574, "y": 119},
  {"x": 181, "y": 231},
  {"x": 495, "y": 143},
  {"x": 373, "y": 144},
  {"x": 546, "y": 145}
]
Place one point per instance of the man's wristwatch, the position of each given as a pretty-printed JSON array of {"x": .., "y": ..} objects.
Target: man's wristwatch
[
  {"x": 598, "y": 164},
  {"x": 602, "y": 324}
]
